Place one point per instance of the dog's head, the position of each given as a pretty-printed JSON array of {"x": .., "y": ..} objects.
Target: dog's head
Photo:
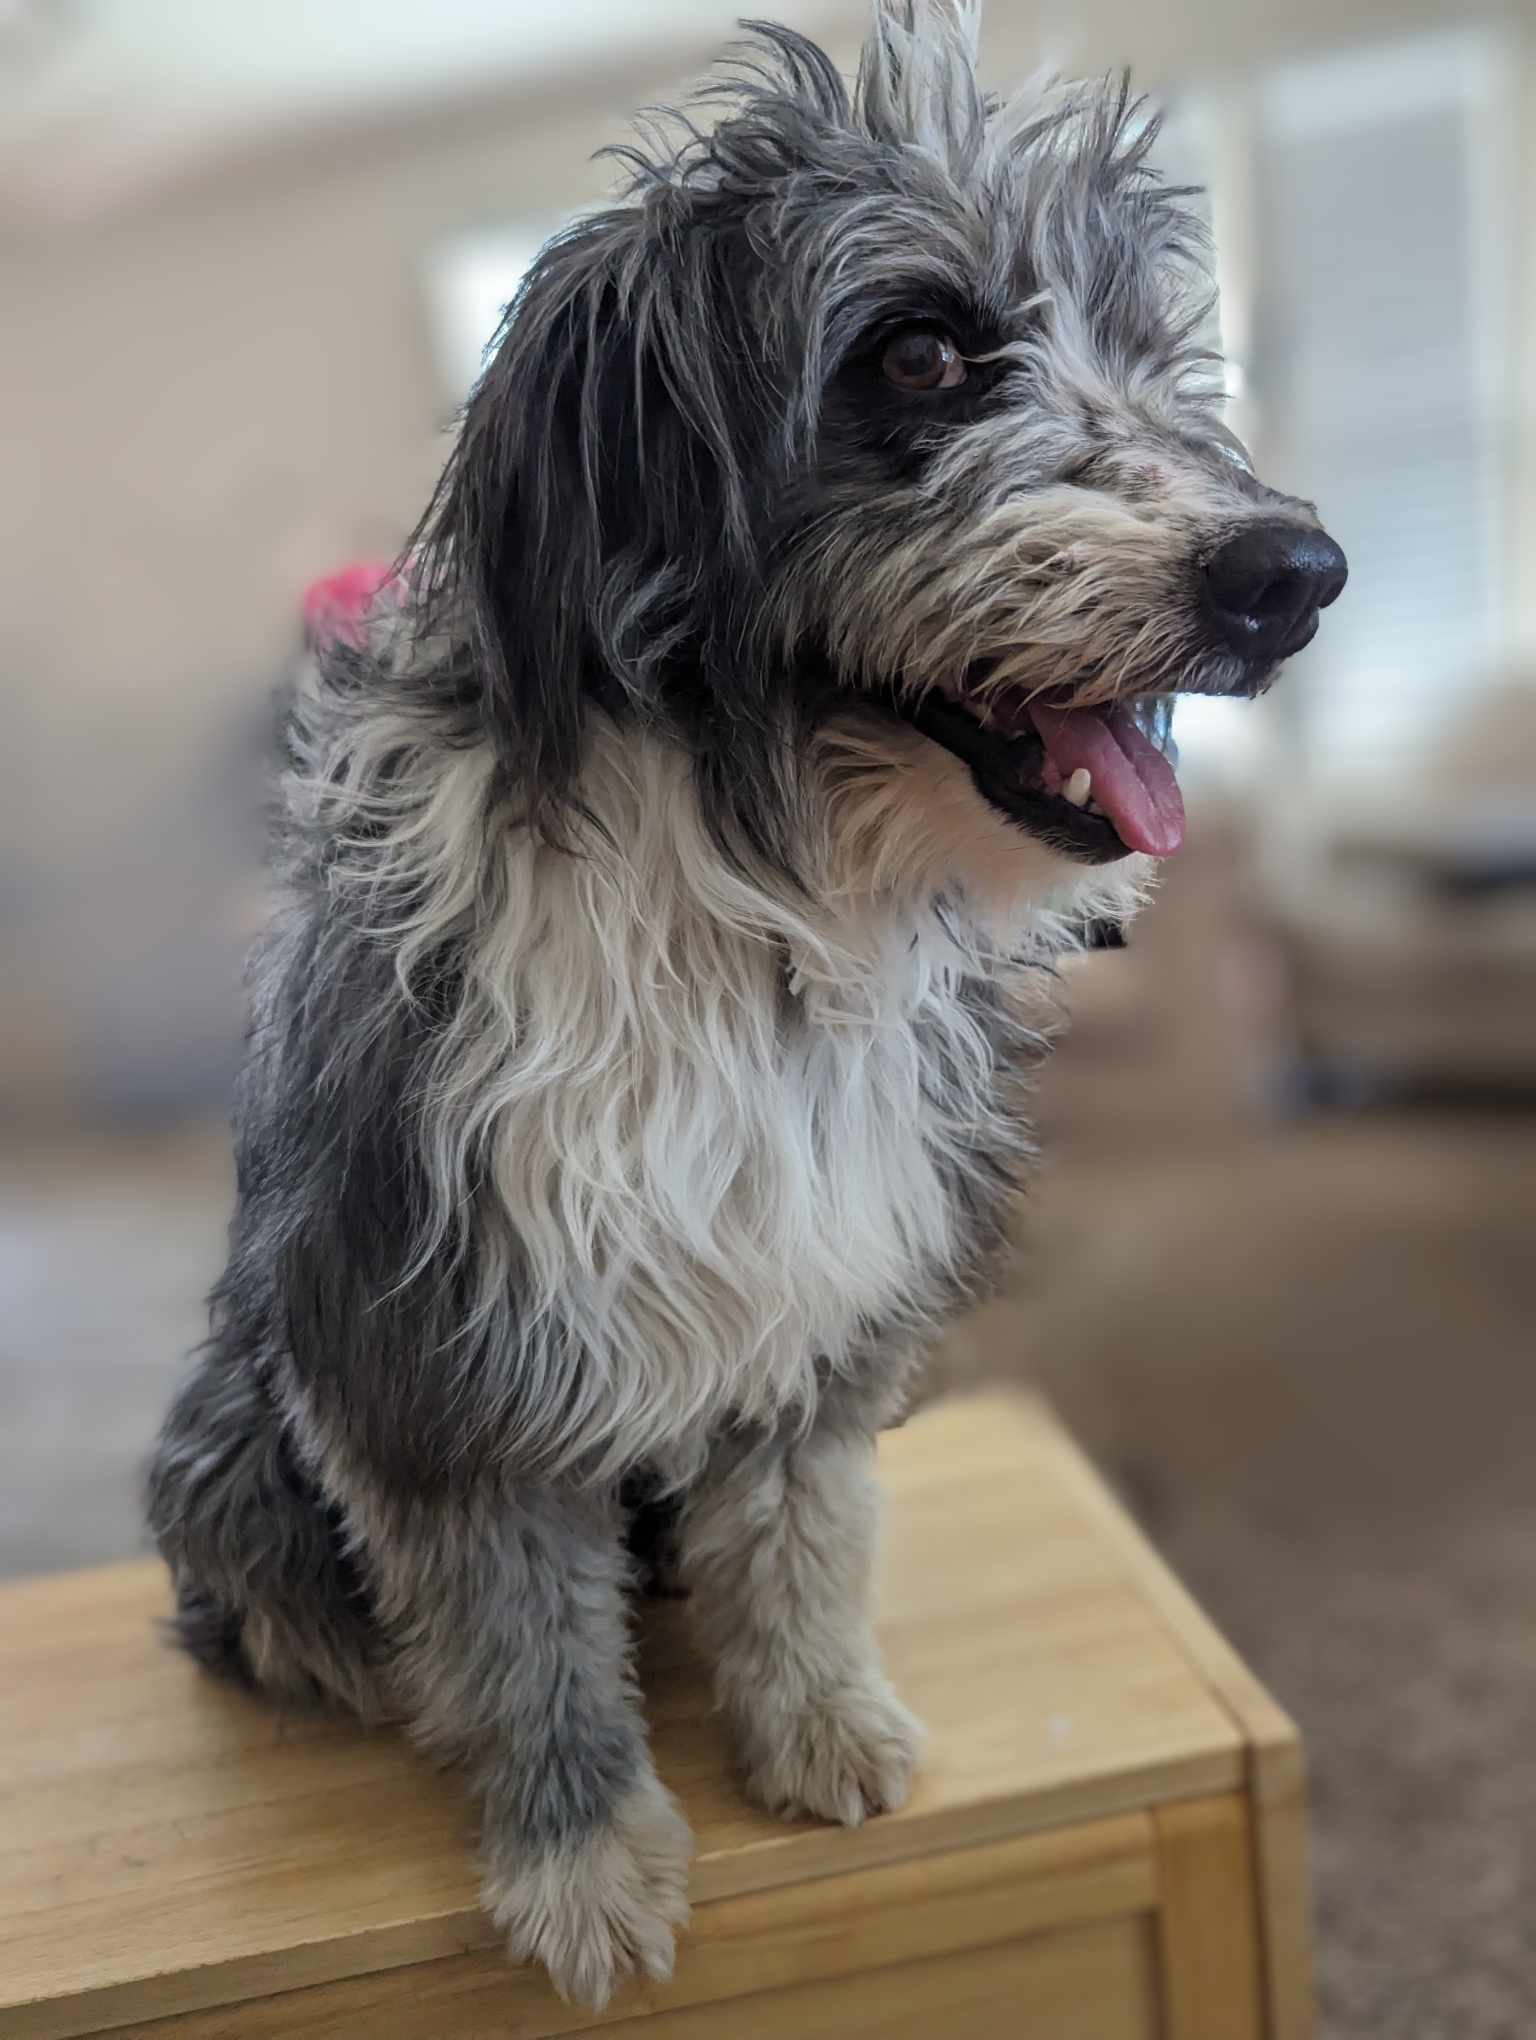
[{"x": 871, "y": 448}]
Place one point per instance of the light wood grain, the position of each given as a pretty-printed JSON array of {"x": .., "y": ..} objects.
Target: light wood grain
[
  {"x": 1208, "y": 1922},
  {"x": 166, "y": 1845},
  {"x": 1275, "y": 1762},
  {"x": 1095, "y": 1984},
  {"x": 763, "y": 1941}
]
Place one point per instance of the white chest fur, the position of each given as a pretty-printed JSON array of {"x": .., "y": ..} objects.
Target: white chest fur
[
  {"x": 720, "y": 1133},
  {"x": 709, "y": 1133}
]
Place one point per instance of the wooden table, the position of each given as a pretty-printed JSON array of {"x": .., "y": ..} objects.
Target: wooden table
[{"x": 1106, "y": 1842}]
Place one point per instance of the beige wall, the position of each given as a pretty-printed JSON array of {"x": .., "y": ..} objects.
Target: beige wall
[
  {"x": 207, "y": 399},
  {"x": 1520, "y": 552},
  {"x": 204, "y": 402}
]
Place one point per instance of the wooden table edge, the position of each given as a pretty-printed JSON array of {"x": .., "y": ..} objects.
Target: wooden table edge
[{"x": 1274, "y": 1759}]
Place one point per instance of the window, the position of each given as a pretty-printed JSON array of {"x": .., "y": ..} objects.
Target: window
[{"x": 471, "y": 280}]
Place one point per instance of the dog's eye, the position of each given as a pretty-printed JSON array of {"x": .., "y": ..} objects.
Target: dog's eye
[{"x": 921, "y": 359}]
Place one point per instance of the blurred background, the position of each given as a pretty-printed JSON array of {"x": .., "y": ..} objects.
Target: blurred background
[{"x": 1279, "y": 1268}]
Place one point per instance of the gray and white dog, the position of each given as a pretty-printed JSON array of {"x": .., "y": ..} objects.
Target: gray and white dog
[{"x": 777, "y": 684}]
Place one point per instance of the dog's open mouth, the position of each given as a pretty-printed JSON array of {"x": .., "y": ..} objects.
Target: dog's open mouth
[{"x": 1093, "y": 783}]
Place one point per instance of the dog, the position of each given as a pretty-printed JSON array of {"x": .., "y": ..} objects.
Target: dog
[{"x": 674, "y": 875}]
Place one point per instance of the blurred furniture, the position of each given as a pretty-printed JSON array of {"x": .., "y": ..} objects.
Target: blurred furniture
[
  {"x": 1105, "y": 1844},
  {"x": 1416, "y": 963},
  {"x": 1408, "y": 916},
  {"x": 1170, "y": 1036}
]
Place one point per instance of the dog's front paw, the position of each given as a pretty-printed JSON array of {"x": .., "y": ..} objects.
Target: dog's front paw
[
  {"x": 592, "y": 1912},
  {"x": 848, "y": 1754}
]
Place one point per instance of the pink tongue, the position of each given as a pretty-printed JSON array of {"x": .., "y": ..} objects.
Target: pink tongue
[{"x": 1132, "y": 780}]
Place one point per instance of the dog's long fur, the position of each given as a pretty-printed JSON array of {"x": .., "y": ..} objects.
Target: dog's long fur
[{"x": 632, "y": 1079}]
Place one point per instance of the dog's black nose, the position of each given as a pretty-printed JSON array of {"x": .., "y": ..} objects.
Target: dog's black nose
[{"x": 1261, "y": 591}]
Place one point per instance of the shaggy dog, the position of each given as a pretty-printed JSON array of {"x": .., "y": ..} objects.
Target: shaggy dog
[{"x": 777, "y": 684}]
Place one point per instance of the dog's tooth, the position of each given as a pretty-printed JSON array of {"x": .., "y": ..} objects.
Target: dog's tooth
[{"x": 1078, "y": 787}]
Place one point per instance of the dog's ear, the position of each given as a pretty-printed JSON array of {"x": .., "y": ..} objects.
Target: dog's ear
[{"x": 596, "y": 482}]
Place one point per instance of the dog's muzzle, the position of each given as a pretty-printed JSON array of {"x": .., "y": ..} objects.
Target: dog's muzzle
[{"x": 1096, "y": 779}]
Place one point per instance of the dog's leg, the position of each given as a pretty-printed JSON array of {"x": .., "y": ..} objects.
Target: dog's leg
[
  {"x": 265, "y": 1591},
  {"x": 513, "y": 1658},
  {"x": 779, "y": 1546}
]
